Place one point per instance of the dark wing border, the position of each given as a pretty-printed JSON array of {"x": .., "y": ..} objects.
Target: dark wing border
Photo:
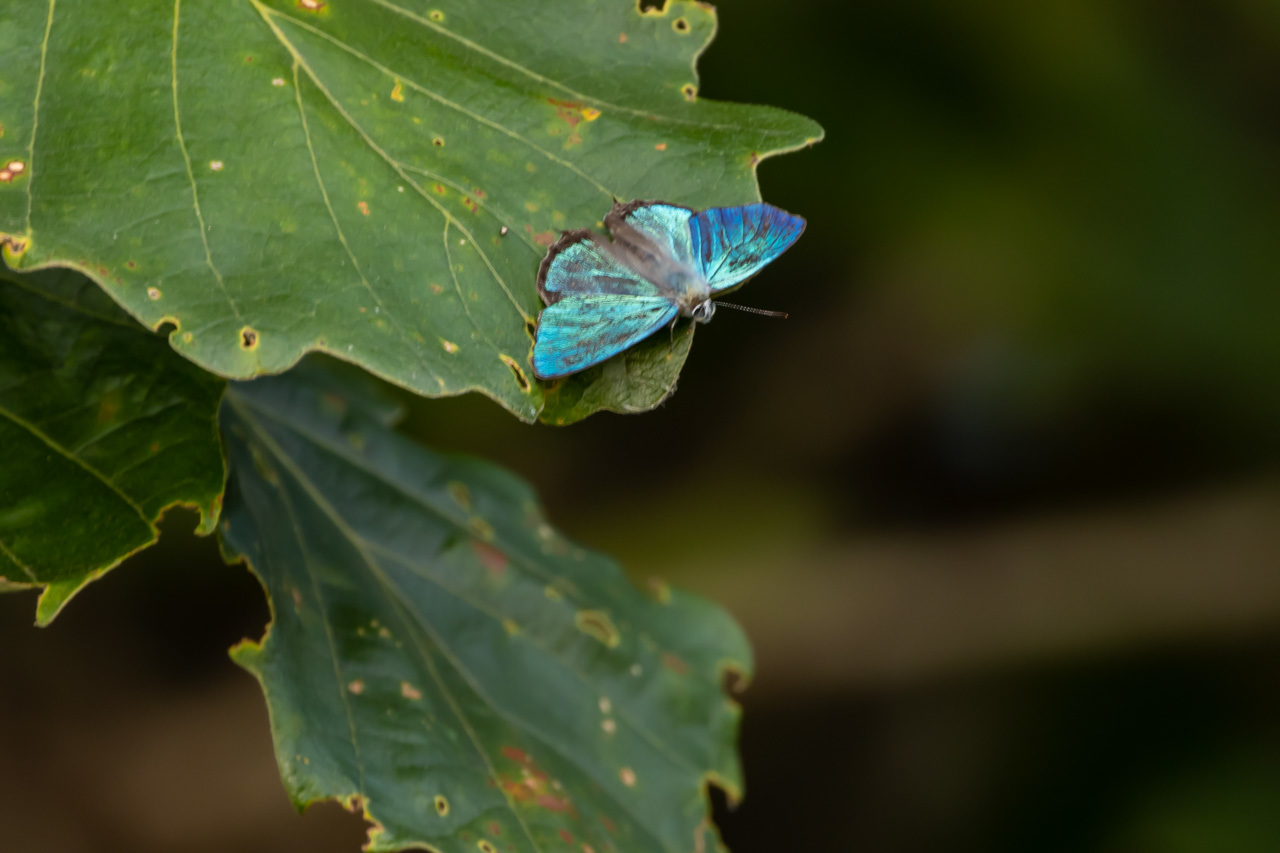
[
  {"x": 619, "y": 212},
  {"x": 567, "y": 239}
]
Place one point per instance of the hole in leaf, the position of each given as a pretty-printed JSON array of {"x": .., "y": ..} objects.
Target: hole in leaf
[
  {"x": 248, "y": 338},
  {"x": 680, "y": 25},
  {"x": 733, "y": 681}
]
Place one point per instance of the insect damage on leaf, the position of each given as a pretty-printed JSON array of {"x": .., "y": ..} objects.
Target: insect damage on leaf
[
  {"x": 330, "y": 167},
  {"x": 506, "y": 688}
]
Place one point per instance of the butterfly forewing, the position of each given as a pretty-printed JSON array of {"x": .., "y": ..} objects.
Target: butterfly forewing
[{"x": 731, "y": 244}]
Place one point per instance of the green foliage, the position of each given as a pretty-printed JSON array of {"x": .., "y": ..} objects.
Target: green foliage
[
  {"x": 443, "y": 658},
  {"x": 374, "y": 180},
  {"x": 103, "y": 426},
  {"x": 379, "y": 182}
]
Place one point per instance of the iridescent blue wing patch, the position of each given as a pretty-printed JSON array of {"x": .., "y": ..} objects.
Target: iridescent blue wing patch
[
  {"x": 579, "y": 331},
  {"x": 663, "y": 227},
  {"x": 731, "y": 244},
  {"x": 580, "y": 262}
]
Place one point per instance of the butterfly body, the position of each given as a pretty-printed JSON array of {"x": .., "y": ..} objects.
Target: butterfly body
[{"x": 664, "y": 262}]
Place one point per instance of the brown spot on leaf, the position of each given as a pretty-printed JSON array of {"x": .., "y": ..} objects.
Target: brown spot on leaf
[
  {"x": 515, "y": 754},
  {"x": 545, "y": 238},
  {"x": 248, "y": 338},
  {"x": 660, "y": 590},
  {"x": 552, "y": 803},
  {"x": 680, "y": 25},
  {"x": 153, "y": 293},
  {"x": 482, "y": 528},
  {"x": 437, "y": 141},
  {"x": 491, "y": 558},
  {"x": 689, "y": 91},
  {"x": 628, "y": 777},
  {"x": 460, "y": 493},
  {"x": 108, "y": 407},
  {"x": 356, "y": 687},
  {"x": 622, "y": 38},
  {"x": 675, "y": 663},
  {"x": 438, "y": 189},
  {"x": 133, "y": 265},
  {"x": 566, "y": 836},
  {"x": 449, "y": 346},
  {"x": 442, "y": 805},
  {"x": 436, "y": 15},
  {"x": 311, "y": 5},
  {"x": 410, "y": 692},
  {"x": 364, "y": 207},
  {"x": 661, "y": 146}
]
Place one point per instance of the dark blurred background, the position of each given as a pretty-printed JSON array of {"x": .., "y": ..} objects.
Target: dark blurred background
[{"x": 998, "y": 505}]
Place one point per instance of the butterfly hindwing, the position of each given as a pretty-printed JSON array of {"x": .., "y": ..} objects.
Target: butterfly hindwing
[
  {"x": 731, "y": 244},
  {"x": 663, "y": 229},
  {"x": 580, "y": 330}
]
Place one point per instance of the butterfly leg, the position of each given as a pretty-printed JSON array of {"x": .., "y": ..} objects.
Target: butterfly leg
[{"x": 672, "y": 330}]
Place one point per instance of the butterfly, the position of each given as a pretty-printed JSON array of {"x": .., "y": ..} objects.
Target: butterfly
[{"x": 665, "y": 262}]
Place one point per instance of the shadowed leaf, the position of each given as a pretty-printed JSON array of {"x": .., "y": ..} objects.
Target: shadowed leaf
[
  {"x": 370, "y": 178},
  {"x": 444, "y": 659},
  {"x": 102, "y": 427}
]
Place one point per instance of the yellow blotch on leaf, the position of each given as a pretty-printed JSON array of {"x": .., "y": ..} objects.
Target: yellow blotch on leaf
[
  {"x": 597, "y": 625},
  {"x": 397, "y": 92}
]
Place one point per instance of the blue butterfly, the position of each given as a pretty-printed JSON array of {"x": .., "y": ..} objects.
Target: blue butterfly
[{"x": 664, "y": 262}]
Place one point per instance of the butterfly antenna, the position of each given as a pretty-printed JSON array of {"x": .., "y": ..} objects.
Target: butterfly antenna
[{"x": 763, "y": 313}]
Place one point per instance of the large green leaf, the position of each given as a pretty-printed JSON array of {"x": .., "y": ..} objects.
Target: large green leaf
[
  {"x": 444, "y": 659},
  {"x": 102, "y": 427},
  {"x": 370, "y": 178}
]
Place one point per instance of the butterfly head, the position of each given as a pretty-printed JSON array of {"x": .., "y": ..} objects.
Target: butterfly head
[{"x": 704, "y": 311}]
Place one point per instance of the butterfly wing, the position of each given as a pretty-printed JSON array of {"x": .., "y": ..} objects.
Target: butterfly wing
[
  {"x": 731, "y": 244},
  {"x": 583, "y": 263},
  {"x": 579, "y": 331},
  {"x": 654, "y": 231}
]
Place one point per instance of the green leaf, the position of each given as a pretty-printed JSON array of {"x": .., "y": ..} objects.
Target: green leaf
[
  {"x": 294, "y": 175},
  {"x": 444, "y": 659},
  {"x": 102, "y": 427}
]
